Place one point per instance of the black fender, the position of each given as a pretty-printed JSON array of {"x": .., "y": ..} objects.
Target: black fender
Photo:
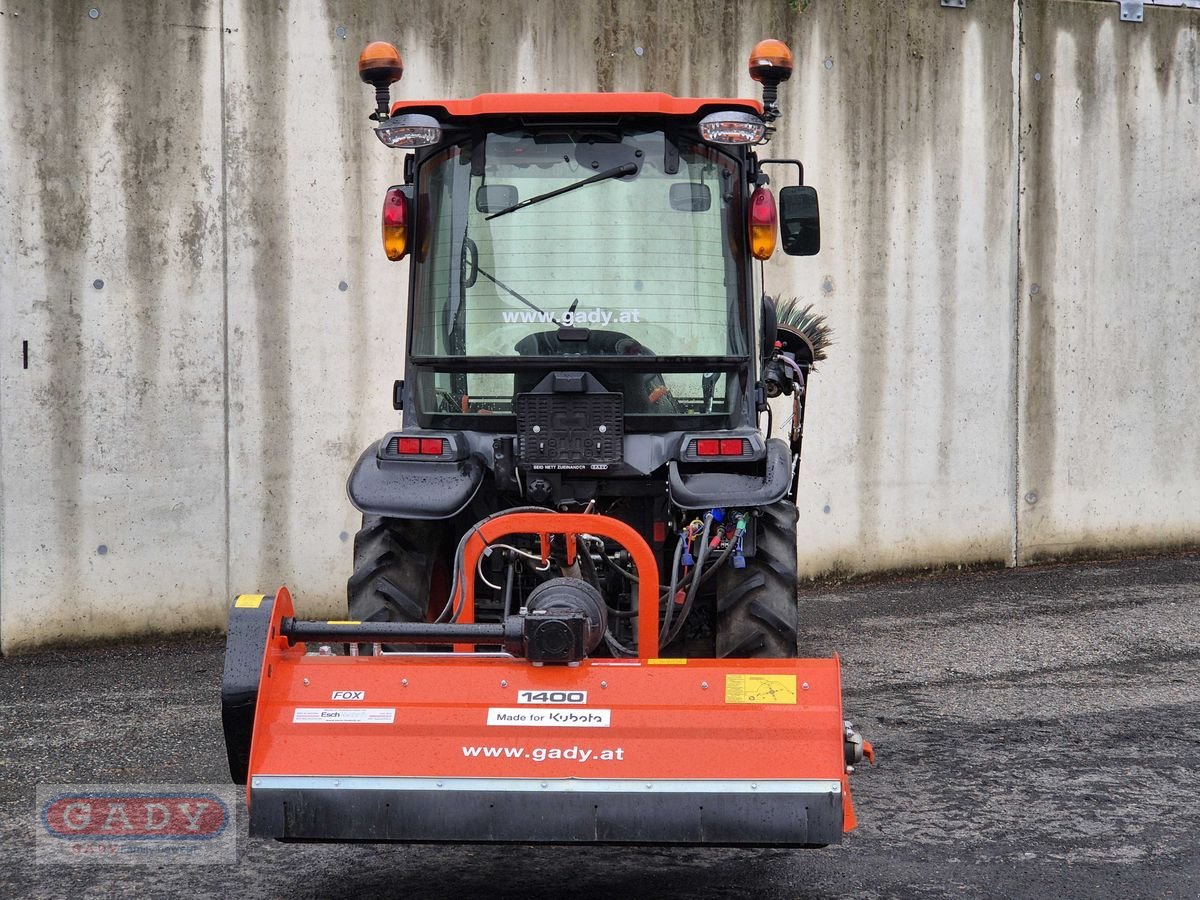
[
  {"x": 413, "y": 489},
  {"x": 705, "y": 490}
]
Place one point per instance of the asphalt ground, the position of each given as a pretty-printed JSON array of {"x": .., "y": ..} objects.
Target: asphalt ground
[{"x": 1038, "y": 733}]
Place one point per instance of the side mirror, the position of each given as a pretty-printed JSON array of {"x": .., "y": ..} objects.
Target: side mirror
[
  {"x": 799, "y": 221},
  {"x": 492, "y": 198},
  {"x": 691, "y": 196}
]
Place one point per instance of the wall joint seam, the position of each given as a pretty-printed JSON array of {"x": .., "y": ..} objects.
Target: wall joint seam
[
  {"x": 224, "y": 104},
  {"x": 1017, "y": 381}
]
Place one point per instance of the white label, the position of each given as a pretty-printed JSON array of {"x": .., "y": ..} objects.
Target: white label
[
  {"x": 551, "y": 698},
  {"x": 549, "y": 718},
  {"x": 373, "y": 716},
  {"x": 349, "y": 695}
]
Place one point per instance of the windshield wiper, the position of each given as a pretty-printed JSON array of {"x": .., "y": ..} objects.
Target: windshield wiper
[{"x": 614, "y": 172}]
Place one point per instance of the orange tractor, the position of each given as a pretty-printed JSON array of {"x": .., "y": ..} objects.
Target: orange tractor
[{"x": 573, "y": 614}]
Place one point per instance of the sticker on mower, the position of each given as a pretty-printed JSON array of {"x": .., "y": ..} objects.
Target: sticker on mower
[
  {"x": 552, "y": 698},
  {"x": 349, "y": 695},
  {"x": 550, "y": 718},
  {"x": 760, "y": 688},
  {"x": 306, "y": 715}
]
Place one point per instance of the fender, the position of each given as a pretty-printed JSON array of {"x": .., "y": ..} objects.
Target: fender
[
  {"x": 708, "y": 489},
  {"x": 413, "y": 489}
]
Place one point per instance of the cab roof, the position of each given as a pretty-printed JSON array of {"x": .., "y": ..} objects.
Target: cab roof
[{"x": 575, "y": 104}]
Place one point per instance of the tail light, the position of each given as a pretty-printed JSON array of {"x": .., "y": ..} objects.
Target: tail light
[
  {"x": 708, "y": 448},
  {"x": 395, "y": 223},
  {"x": 403, "y": 446},
  {"x": 763, "y": 223},
  {"x": 411, "y": 446}
]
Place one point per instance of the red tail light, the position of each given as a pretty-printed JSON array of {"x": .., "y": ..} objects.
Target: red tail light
[
  {"x": 736, "y": 447},
  {"x": 395, "y": 224},
  {"x": 414, "y": 446},
  {"x": 763, "y": 223}
]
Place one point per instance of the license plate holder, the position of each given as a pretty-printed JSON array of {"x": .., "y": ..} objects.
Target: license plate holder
[{"x": 568, "y": 431}]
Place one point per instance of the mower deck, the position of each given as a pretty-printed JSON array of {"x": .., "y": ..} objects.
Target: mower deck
[{"x": 474, "y": 747}]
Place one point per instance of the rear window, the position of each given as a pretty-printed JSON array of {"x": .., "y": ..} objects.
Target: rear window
[{"x": 633, "y": 264}]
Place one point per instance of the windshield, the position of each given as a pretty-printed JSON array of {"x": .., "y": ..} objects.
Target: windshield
[{"x": 577, "y": 243}]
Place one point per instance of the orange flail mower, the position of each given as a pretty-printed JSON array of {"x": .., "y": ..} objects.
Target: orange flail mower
[{"x": 572, "y": 615}]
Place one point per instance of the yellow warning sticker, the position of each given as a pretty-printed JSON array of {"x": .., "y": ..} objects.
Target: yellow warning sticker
[
  {"x": 343, "y": 622},
  {"x": 760, "y": 688},
  {"x": 666, "y": 661},
  {"x": 249, "y": 601}
]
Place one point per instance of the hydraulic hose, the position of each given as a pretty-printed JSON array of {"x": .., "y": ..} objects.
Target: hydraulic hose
[
  {"x": 458, "y": 555},
  {"x": 697, "y": 574},
  {"x": 670, "y": 595}
]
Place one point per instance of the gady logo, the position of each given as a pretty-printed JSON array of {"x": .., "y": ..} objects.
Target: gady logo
[{"x": 135, "y": 816}]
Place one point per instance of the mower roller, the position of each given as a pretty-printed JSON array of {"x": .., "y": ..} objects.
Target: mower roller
[{"x": 572, "y": 615}]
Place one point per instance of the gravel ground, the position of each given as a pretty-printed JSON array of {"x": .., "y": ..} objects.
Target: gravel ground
[{"x": 1038, "y": 733}]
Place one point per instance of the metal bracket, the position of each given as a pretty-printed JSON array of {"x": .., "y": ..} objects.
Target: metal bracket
[
  {"x": 1135, "y": 10},
  {"x": 956, "y": 4}
]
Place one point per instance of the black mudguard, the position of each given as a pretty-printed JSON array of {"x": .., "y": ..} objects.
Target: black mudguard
[
  {"x": 702, "y": 490},
  {"x": 413, "y": 489}
]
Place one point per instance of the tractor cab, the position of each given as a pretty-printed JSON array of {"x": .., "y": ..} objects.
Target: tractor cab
[
  {"x": 607, "y": 247},
  {"x": 612, "y": 234}
]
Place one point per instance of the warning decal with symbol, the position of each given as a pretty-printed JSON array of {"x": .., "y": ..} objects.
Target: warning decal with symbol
[{"x": 760, "y": 688}]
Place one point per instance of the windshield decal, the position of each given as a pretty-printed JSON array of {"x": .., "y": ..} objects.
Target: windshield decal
[{"x": 577, "y": 319}]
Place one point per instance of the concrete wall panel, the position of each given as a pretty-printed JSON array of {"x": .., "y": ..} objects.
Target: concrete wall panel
[
  {"x": 903, "y": 115},
  {"x": 316, "y": 314},
  {"x": 110, "y": 210},
  {"x": 1110, "y": 145}
]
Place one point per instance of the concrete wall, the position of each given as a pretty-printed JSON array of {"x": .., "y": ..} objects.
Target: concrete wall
[
  {"x": 188, "y": 216},
  {"x": 1109, "y": 326},
  {"x": 112, "y": 455}
]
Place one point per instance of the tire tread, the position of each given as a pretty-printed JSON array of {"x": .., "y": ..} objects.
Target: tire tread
[
  {"x": 757, "y": 609},
  {"x": 393, "y": 565}
]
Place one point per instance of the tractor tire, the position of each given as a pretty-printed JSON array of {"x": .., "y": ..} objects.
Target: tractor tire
[
  {"x": 757, "y": 611},
  {"x": 393, "y": 569}
]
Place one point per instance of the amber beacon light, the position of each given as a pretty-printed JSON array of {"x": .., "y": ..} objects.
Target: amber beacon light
[
  {"x": 770, "y": 64},
  {"x": 380, "y": 66}
]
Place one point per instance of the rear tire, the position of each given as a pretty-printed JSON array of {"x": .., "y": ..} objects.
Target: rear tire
[
  {"x": 757, "y": 610},
  {"x": 393, "y": 570}
]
